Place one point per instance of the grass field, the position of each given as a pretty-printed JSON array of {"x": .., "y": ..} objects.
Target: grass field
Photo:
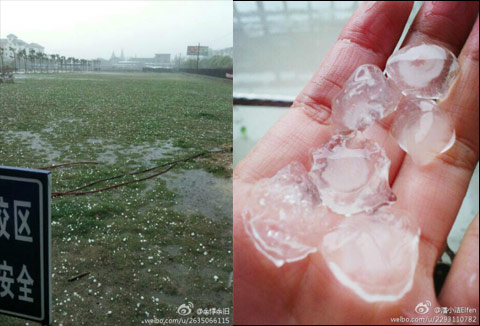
[{"x": 148, "y": 246}]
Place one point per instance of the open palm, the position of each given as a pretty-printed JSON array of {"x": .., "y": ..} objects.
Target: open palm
[{"x": 306, "y": 292}]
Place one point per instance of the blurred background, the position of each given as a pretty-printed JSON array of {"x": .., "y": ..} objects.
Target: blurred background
[{"x": 278, "y": 46}]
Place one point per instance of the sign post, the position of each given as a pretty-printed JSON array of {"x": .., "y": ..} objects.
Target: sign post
[
  {"x": 25, "y": 241},
  {"x": 198, "y": 51}
]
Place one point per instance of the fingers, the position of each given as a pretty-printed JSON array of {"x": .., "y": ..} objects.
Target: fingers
[
  {"x": 435, "y": 192},
  {"x": 462, "y": 106},
  {"x": 369, "y": 37},
  {"x": 461, "y": 286},
  {"x": 446, "y": 23}
]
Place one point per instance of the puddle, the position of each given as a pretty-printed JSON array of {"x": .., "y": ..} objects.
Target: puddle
[
  {"x": 173, "y": 250},
  {"x": 150, "y": 152},
  {"x": 108, "y": 158},
  {"x": 71, "y": 120},
  {"x": 33, "y": 141},
  {"x": 54, "y": 125},
  {"x": 202, "y": 192},
  {"x": 108, "y": 153},
  {"x": 95, "y": 141},
  {"x": 146, "y": 153}
]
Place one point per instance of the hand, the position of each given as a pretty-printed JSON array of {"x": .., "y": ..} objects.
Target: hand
[{"x": 306, "y": 292}]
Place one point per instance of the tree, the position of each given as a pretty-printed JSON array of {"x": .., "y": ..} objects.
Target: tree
[
  {"x": 39, "y": 57},
  {"x": 217, "y": 61},
  {"x": 70, "y": 60},
  {"x": 31, "y": 57},
  {"x": 2, "y": 51},
  {"x": 190, "y": 63},
  {"x": 23, "y": 55},
  {"x": 53, "y": 58},
  {"x": 44, "y": 60},
  {"x": 178, "y": 61},
  {"x": 57, "y": 59},
  {"x": 14, "y": 52}
]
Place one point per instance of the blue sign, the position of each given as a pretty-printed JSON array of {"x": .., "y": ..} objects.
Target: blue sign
[{"x": 25, "y": 271}]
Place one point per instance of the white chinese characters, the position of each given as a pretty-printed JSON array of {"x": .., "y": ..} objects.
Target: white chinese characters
[
  {"x": 26, "y": 281},
  {"x": 21, "y": 213},
  {"x": 3, "y": 219},
  {"x": 22, "y": 230},
  {"x": 7, "y": 280}
]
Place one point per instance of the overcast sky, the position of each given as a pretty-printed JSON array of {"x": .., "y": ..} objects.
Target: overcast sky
[{"x": 92, "y": 29}]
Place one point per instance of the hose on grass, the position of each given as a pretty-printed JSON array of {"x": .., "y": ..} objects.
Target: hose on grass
[{"x": 170, "y": 165}]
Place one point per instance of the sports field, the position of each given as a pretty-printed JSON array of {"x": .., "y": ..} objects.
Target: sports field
[{"x": 147, "y": 246}]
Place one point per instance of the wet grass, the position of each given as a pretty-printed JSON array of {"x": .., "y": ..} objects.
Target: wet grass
[{"x": 146, "y": 254}]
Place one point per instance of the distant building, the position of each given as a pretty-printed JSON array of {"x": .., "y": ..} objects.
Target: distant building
[
  {"x": 160, "y": 60},
  {"x": 12, "y": 41},
  {"x": 114, "y": 59}
]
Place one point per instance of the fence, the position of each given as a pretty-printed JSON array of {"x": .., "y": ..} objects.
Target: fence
[{"x": 216, "y": 72}]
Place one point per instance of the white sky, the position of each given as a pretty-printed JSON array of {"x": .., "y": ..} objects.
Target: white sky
[{"x": 90, "y": 29}]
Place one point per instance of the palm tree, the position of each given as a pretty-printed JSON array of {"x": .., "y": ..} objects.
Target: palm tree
[
  {"x": 53, "y": 57},
  {"x": 2, "y": 51},
  {"x": 46, "y": 59},
  {"x": 14, "y": 52},
  {"x": 75, "y": 62},
  {"x": 23, "y": 55},
  {"x": 71, "y": 63},
  {"x": 39, "y": 57},
  {"x": 57, "y": 59},
  {"x": 31, "y": 57}
]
